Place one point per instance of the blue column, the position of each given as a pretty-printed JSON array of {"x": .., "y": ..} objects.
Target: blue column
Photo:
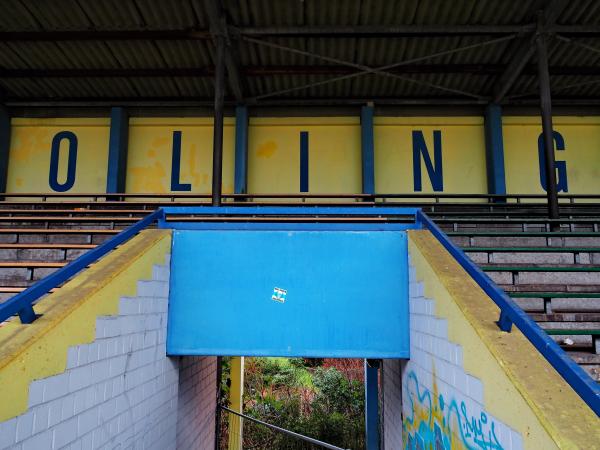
[
  {"x": 4, "y": 146},
  {"x": 367, "y": 149},
  {"x": 241, "y": 150},
  {"x": 494, "y": 149},
  {"x": 372, "y": 404},
  {"x": 117, "y": 150}
]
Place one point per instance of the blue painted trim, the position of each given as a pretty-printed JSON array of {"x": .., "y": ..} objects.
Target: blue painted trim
[
  {"x": 22, "y": 303},
  {"x": 176, "y": 184},
  {"x": 435, "y": 169},
  {"x": 287, "y": 226},
  {"x": 367, "y": 143},
  {"x": 4, "y": 146},
  {"x": 117, "y": 150},
  {"x": 371, "y": 407},
  {"x": 304, "y": 161},
  {"x": 241, "y": 150},
  {"x": 293, "y": 210},
  {"x": 55, "y": 185},
  {"x": 511, "y": 313},
  {"x": 182, "y": 351},
  {"x": 494, "y": 149}
]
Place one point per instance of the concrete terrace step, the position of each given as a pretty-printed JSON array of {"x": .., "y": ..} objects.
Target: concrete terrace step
[
  {"x": 55, "y": 235},
  {"x": 7, "y": 292},
  {"x": 524, "y": 239},
  {"x": 589, "y": 361},
  {"x": 531, "y": 256},
  {"x": 512, "y": 289},
  {"x": 573, "y": 318},
  {"x": 43, "y": 252},
  {"x": 546, "y": 276},
  {"x": 21, "y": 273}
]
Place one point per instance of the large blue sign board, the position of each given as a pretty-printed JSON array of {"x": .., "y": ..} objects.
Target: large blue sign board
[{"x": 289, "y": 293}]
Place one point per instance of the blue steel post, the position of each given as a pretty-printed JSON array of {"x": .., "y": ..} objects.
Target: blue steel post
[
  {"x": 494, "y": 150},
  {"x": 241, "y": 150},
  {"x": 4, "y": 146},
  {"x": 117, "y": 150},
  {"x": 367, "y": 150},
  {"x": 372, "y": 404}
]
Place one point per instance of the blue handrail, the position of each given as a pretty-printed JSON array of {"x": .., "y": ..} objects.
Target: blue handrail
[
  {"x": 511, "y": 313},
  {"x": 22, "y": 303}
]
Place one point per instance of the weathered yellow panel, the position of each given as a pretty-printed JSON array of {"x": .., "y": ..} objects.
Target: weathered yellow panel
[
  {"x": 581, "y": 154},
  {"x": 150, "y": 154},
  {"x": 334, "y": 155},
  {"x": 30, "y": 150},
  {"x": 463, "y": 154}
]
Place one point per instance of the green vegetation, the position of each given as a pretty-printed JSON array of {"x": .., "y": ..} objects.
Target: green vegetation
[{"x": 299, "y": 395}]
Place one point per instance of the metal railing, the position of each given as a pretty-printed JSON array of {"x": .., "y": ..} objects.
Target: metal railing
[{"x": 239, "y": 418}]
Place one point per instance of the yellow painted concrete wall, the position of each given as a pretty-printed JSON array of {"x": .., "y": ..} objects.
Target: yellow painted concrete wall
[
  {"x": 463, "y": 153},
  {"x": 29, "y": 156},
  {"x": 150, "y": 154},
  {"x": 581, "y": 153},
  {"x": 274, "y": 154},
  {"x": 334, "y": 155}
]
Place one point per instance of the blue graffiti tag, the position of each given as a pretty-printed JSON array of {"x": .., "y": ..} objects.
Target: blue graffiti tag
[{"x": 476, "y": 432}]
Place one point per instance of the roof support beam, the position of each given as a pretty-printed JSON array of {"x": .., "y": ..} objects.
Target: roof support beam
[
  {"x": 547, "y": 131},
  {"x": 524, "y": 49},
  {"x": 258, "y": 71},
  {"x": 219, "y": 30},
  {"x": 333, "y": 32},
  {"x": 5, "y": 132},
  {"x": 217, "y": 170}
]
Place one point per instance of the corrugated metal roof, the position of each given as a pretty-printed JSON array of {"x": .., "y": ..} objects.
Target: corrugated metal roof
[{"x": 78, "y": 63}]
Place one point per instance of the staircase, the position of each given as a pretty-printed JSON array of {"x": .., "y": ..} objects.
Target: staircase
[
  {"x": 553, "y": 275},
  {"x": 550, "y": 268}
]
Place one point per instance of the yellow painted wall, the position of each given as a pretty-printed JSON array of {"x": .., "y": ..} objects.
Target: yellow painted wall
[
  {"x": 274, "y": 154},
  {"x": 582, "y": 153},
  {"x": 334, "y": 155},
  {"x": 463, "y": 154},
  {"x": 29, "y": 156},
  {"x": 150, "y": 154}
]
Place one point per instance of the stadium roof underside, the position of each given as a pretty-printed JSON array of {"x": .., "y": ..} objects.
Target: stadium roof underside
[{"x": 298, "y": 52}]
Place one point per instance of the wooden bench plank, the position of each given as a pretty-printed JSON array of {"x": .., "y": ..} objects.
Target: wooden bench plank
[
  {"x": 554, "y": 294},
  {"x": 534, "y": 249},
  {"x": 57, "y": 231},
  {"x": 486, "y": 268},
  {"x": 51, "y": 246},
  {"x": 12, "y": 264}
]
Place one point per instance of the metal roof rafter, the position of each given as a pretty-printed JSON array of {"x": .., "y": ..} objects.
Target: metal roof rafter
[
  {"x": 363, "y": 69},
  {"x": 331, "y": 32},
  {"x": 524, "y": 49},
  {"x": 219, "y": 30}
]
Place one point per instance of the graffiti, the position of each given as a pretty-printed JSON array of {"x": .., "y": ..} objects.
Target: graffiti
[{"x": 435, "y": 423}]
